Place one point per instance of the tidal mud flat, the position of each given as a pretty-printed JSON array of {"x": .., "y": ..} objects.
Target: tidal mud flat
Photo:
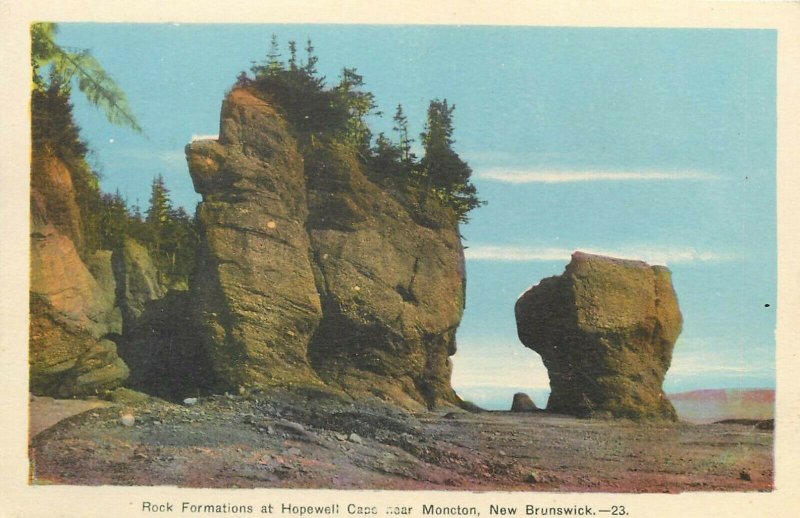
[{"x": 311, "y": 441}]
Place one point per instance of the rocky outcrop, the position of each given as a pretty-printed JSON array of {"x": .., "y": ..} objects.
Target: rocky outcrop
[
  {"x": 53, "y": 199},
  {"x": 136, "y": 280},
  {"x": 311, "y": 274},
  {"x": 523, "y": 403},
  {"x": 254, "y": 285},
  {"x": 70, "y": 314},
  {"x": 72, "y": 301},
  {"x": 605, "y": 330}
]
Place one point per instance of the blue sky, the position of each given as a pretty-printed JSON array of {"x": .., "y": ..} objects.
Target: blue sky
[{"x": 655, "y": 144}]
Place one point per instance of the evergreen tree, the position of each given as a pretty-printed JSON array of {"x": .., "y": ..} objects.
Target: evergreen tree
[
  {"x": 387, "y": 158},
  {"x": 180, "y": 240},
  {"x": 401, "y": 127},
  {"x": 158, "y": 215},
  {"x": 358, "y": 104},
  {"x": 114, "y": 220},
  {"x": 311, "y": 59},
  {"x": 273, "y": 57},
  {"x": 293, "y": 56},
  {"x": 446, "y": 173},
  {"x": 273, "y": 64}
]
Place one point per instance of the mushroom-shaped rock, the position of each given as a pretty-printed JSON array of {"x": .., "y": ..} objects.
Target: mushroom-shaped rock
[
  {"x": 605, "y": 330},
  {"x": 523, "y": 403}
]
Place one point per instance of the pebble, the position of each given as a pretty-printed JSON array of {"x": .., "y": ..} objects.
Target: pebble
[
  {"x": 291, "y": 426},
  {"x": 745, "y": 475},
  {"x": 190, "y": 401},
  {"x": 354, "y": 437},
  {"x": 127, "y": 420}
]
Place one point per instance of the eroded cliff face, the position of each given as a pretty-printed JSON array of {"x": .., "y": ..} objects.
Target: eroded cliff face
[
  {"x": 72, "y": 309},
  {"x": 310, "y": 274},
  {"x": 605, "y": 330}
]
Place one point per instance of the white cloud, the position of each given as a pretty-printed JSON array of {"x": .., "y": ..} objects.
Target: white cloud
[
  {"x": 519, "y": 176},
  {"x": 650, "y": 254}
]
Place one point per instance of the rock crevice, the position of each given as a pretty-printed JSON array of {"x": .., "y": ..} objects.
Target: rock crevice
[{"x": 369, "y": 299}]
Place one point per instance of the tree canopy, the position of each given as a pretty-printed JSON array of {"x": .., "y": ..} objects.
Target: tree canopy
[
  {"x": 340, "y": 113},
  {"x": 78, "y": 66}
]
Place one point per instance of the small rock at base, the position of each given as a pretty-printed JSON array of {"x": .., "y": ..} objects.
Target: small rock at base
[
  {"x": 522, "y": 403},
  {"x": 127, "y": 419},
  {"x": 190, "y": 401},
  {"x": 354, "y": 437},
  {"x": 745, "y": 475}
]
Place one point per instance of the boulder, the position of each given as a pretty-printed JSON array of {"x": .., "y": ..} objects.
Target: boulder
[
  {"x": 605, "y": 330},
  {"x": 309, "y": 273},
  {"x": 523, "y": 403}
]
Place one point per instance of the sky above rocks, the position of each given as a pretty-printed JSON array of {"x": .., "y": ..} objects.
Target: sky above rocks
[{"x": 654, "y": 144}]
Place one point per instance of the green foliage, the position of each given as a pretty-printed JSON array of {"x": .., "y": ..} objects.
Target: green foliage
[
  {"x": 338, "y": 115},
  {"x": 169, "y": 234},
  {"x": 401, "y": 128},
  {"x": 446, "y": 172},
  {"x": 52, "y": 125},
  {"x": 114, "y": 220},
  {"x": 91, "y": 78},
  {"x": 358, "y": 104}
]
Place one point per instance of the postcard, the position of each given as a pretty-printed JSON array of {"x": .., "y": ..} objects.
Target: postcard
[{"x": 460, "y": 260}]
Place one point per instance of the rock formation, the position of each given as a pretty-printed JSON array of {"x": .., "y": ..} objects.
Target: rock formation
[
  {"x": 605, "y": 330},
  {"x": 311, "y": 274},
  {"x": 523, "y": 403},
  {"x": 137, "y": 281},
  {"x": 71, "y": 311}
]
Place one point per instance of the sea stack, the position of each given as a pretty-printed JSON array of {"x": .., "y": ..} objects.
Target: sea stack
[
  {"x": 310, "y": 273},
  {"x": 605, "y": 330}
]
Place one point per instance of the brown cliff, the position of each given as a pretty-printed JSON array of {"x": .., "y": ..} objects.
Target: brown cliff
[
  {"x": 311, "y": 274},
  {"x": 71, "y": 313}
]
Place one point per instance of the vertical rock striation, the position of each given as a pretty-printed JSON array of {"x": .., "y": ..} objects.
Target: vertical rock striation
[
  {"x": 254, "y": 285},
  {"x": 72, "y": 313},
  {"x": 310, "y": 273},
  {"x": 605, "y": 330}
]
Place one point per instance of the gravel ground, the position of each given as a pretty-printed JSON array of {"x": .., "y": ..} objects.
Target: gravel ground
[{"x": 315, "y": 441}]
